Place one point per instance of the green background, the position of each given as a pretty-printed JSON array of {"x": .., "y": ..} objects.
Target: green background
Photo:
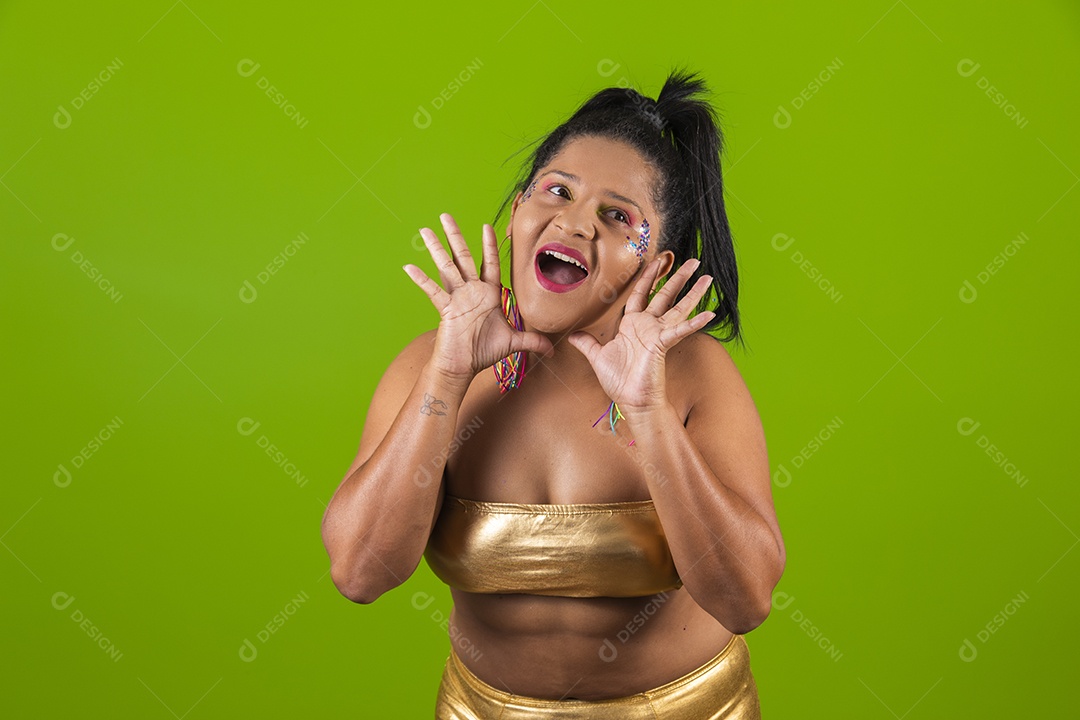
[{"x": 179, "y": 180}]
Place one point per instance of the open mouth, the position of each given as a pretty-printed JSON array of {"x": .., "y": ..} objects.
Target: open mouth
[{"x": 559, "y": 268}]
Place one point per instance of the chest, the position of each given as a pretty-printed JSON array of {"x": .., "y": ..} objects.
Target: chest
[{"x": 541, "y": 443}]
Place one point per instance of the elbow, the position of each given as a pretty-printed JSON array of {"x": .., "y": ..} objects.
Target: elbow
[
  {"x": 364, "y": 571},
  {"x": 355, "y": 587},
  {"x": 365, "y": 577},
  {"x": 349, "y": 574},
  {"x": 358, "y": 581},
  {"x": 745, "y": 612},
  {"x": 761, "y": 609},
  {"x": 758, "y": 602},
  {"x": 758, "y": 605},
  {"x": 360, "y": 596},
  {"x": 745, "y": 619}
]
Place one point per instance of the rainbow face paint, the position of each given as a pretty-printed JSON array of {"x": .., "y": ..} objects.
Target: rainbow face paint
[{"x": 640, "y": 247}]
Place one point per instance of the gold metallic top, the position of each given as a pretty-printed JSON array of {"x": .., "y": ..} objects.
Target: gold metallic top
[{"x": 580, "y": 550}]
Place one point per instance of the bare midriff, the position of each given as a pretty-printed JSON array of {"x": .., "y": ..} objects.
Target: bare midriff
[{"x": 586, "y": 648}]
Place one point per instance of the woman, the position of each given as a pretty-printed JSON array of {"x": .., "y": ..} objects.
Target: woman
[{"x": 599, "y": 504}]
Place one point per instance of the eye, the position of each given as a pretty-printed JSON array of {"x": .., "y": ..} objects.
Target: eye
[{"x": 562, "y": 191}]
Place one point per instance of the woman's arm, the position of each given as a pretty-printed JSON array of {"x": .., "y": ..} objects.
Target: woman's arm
[
  {"x": 376, "y": 526},
  {"x": 709, "y": 481}
]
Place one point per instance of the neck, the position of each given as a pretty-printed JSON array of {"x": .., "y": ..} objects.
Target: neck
[{"x": 568, "y": 364}]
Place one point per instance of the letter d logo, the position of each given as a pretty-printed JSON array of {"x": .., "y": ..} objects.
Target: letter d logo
[
  {"x": 782, "y": 118},
  {"x": 248, "y": 651},
  {"x": 422, "y": 118},
  {"x": 62, "y": 118},
  {"x": 62, "y": 477},
  {"x": 781, "y": 478},
  {"x": 781, "y": 603},
  {"x": 61, "y": 600},
  {"x": 607, "y": 68},
  {"x": 782, "y": 237},
  {"x": 967, "y": 67},
  {"x": 422, "y": 478},
  {"x": 247, "y": 67},
  {"x": 246, "y": 426},
  {"x": 968, "y": 293},
  {"x": 62, "y": 238},
  {"x": 966, "y": 426},
  {"x": 608, "y": 651},
  {"x": 248, "y": 293}
]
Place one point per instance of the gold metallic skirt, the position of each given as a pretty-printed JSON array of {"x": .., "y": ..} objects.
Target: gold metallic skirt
[{"x": 721, "y": 688}]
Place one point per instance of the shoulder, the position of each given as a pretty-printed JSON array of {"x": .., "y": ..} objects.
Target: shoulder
[
  {"x": 405, "y": 366},
  {"x": 703, "y": 369},
  {"x": 392, "y": 391},
  {"x": 700, "y": 348},
  {"x": 410, "y": 360},
  {"x": 700, "y": 356},
  {"x": 400, "y": 375}
]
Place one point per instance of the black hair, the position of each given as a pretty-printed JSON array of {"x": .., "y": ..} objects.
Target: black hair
[{"x": 679, "y": 136}]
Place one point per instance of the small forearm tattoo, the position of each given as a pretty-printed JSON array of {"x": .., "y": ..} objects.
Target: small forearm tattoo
[{"x": 433, "y": 406}]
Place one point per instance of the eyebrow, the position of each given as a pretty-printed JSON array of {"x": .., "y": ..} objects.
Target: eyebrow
[{"x": 610, "y": 193}]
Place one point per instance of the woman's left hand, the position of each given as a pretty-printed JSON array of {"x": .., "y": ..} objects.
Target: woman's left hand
[{"x": 630, "y": 366}]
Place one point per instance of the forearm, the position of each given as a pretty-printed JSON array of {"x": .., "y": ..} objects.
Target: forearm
[
  {"x": 726, "y": 554},
  {"x": 378, "y": 522}
]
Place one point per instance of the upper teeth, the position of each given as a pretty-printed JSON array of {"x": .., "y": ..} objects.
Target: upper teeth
[{"x": 566, "y": 258}]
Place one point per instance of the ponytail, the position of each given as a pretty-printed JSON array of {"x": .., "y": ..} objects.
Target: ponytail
[{"x": 692, "y": 126}]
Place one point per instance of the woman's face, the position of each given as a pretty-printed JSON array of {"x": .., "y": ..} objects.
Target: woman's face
[{"x": 591, "y": 203}]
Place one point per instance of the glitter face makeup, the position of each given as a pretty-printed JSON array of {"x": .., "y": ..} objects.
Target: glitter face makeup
[
  {"x": 642, "y": 245},
  {"x": 528, "y": 191}
]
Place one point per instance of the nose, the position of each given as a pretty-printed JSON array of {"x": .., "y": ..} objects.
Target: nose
[{"x": 577, "y": 220}]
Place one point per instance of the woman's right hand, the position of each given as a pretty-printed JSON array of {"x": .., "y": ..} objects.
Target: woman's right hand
[{"x": 473, "y": 331}]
